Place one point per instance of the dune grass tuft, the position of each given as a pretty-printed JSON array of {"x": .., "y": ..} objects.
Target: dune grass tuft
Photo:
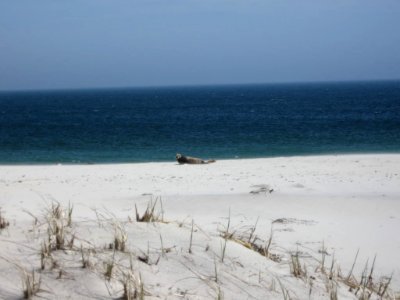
[
  {"x": 3, "y": 222},
  {"x": 133, "y": 286},
  {"x": 45, "y": 254},
  {"x": 30, "y": 284},
  {"x": 86, "y": 264},
  {"x": 295, "y": 266},
  {"x": 59, "y": 221},
  {"x": 120, "y": 238},
  {"x": 250, "y": 240},
  {"x": 109, "y": 267},
  {"x": 150, "y": 214}
]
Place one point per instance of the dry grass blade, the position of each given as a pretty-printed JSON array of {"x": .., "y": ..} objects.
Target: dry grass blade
[
  {"x": 365, "y": 293},
  {"x": 163, "y": 250},
  {"x": 333, "y": 291},
  {"x": 370, "y": 279},
  {"x": 252, "y": 230},
  {"x": 30, "y": 285},
  {"x": 220, "y": 294},
  {"x": 383, "y": 286},
  {"x": 56, "y": 210},
  {"x": 363, "y": 277},
  {"x": 71, "y": 242},
  {"x": 285, "y": 292},
  {"x": 45, "y": 253},
  {"x": 331, "y": 273},
  {"x": 59, "y": 235},
  {"x": 295, "y": 265},
  {"x": 350, "y": 279},
  {"x": 223, "y": 250},
  {"x": 323, "y": 256},
  {"x": 191, "y": 239},
  {"x": 352, "y": 267},
  {"x": 268, "y": 244},
  {"x": 226, "y": 236},
  {"x": 70, "y": 210},
  {"x": 215, "y": 270}
]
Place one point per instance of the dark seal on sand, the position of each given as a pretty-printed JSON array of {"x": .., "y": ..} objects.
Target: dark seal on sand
[{"x": 191, "y": 160}]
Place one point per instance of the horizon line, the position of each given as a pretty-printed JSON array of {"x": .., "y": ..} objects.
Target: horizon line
[{"x": 200, "y": 85}]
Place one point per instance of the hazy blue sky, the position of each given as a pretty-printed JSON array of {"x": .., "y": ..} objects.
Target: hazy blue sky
[{"x": 101, "y": 43}]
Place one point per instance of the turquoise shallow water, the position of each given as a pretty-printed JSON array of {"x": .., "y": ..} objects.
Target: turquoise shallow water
[{"x": 152, "y": 124}]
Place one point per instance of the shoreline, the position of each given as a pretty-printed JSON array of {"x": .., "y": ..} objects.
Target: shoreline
[
  {"x": 340, "y": 203},
  {"x": 2, "y": 164}
]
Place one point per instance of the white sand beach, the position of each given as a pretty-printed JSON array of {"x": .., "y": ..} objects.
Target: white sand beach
[{"x": 315, "y": 207}]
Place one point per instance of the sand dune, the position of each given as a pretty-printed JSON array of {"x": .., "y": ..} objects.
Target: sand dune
[{"x": 334, "y": 205}]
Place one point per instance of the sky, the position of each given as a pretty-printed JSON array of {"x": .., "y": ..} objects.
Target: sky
[{"x": 51, "y": 44}]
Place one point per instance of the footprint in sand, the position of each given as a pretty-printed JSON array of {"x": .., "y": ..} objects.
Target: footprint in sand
[{"x": 298, "y": 185}]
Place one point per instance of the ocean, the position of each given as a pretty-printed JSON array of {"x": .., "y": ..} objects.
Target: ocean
[{"x": 219, "y": 122}]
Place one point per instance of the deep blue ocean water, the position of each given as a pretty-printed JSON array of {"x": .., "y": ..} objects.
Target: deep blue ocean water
[{"x": 152, "y": 124}]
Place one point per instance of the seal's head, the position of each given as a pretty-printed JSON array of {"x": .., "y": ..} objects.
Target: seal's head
[{"x": 178, "y": 156}]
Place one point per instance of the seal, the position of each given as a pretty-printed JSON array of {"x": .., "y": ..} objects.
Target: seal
[{"x": 181, "y": 159}]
